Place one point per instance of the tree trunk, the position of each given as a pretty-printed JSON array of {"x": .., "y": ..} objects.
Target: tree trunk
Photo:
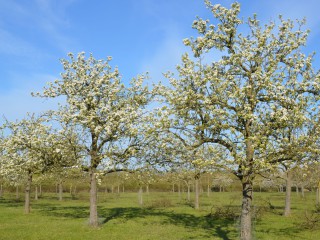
[
  {"x": 60, "y": 188},
  {"x": 287, "y": 209},
  {"x": 140, "y": 197},
  {"x": 1, "y": 191},
  {"x": 122, "y": 188},
  {"x": 188, "y": 194},
  {"x": 196, "y": 200},
  {"x": 40, "y": 190},
  {"x": 208, "y": 186},
  {"x": 302, "y": 191},
  {"x": 318, "y": 194},
  {"x": 118, "y": 189},
  {"x": 17, "y": 193},
  {"x": 75, "y": 190},
  {"x": 245, "y": 232},
  {"x": 147, "y": 189},
  {"x": 93, "y": 220},
  {"x": 36, "y": 193},
  {"x": 27, "y": 193}
]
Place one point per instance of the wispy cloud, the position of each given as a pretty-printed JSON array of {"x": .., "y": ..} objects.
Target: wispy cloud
[
  {"x": 20, "y": 22},
  {"x": 17, "y": 102},
  {"x": 32, "y": 34},
  {"x": 52, "y": 18},
  {"x": 164, "y": 58},
  {"x": 13, "y": 45}
]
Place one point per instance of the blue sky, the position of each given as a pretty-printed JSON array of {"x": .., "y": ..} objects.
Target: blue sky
[{"x": 140, "y": 35}]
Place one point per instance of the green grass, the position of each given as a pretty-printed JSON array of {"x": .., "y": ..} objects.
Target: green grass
[{"x": 164, "y": 216}]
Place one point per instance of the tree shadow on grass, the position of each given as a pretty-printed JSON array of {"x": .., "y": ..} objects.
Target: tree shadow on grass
[
  {"x": 11, "y": 203},
  {"x": 288, "y": 232},
  {"x": 64, "y": 211},
  {"x": 212, "y": 227}
]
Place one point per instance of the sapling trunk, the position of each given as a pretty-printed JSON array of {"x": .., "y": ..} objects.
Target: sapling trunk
[
  {"x": 60, "y": 189},
  {"x": 140, "y": 196},
  {"x": 36, "y": 193},
  {"x": 196, "y": 200}
]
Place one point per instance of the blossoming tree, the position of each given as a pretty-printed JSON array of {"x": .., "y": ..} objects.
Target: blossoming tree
[
  {"x": 242, "y": 99},
  {"x": 29, "y": 148},
  {"x": 105, "y": 113}
]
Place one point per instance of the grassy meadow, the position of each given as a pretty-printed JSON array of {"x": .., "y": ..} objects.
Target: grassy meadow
[{"x": 163, "y": 216}]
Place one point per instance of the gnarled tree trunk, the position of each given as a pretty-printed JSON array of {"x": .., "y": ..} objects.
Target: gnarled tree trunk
[{"x": 245, "y": 232}]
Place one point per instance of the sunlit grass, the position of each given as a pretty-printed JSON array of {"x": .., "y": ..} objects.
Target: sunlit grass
[{"x": 163, "y": 216}]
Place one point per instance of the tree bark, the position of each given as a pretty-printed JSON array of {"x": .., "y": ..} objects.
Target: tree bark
[
  {"x": 196, "y": 200},
  {"x": 208, "y": 187},
  {"x": 60, "y": 189},
  {"x": 36, "y": 193},
  {"x": 27, "y": 193},
  {"x": 247, "y": 189},
  {"x": 245, "y": 232},
  {"x": 93, "y": 220},
  {"x": 1, "y": 191},
  {"x": 17, "y": 193},
  {"x": 302, "y": 191},
  {"x": 188, "y": 193},
  {"x": 318, "y": 194},
  {"x": 140, "y": 196},
  {"x": 287, "y": 209}
]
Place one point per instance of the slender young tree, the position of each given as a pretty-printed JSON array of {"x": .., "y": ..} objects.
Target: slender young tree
[
  {"x": 105, "y": 112},
  {"x": 242, "y": 99},
  {"x": 26, "y": 151}
]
